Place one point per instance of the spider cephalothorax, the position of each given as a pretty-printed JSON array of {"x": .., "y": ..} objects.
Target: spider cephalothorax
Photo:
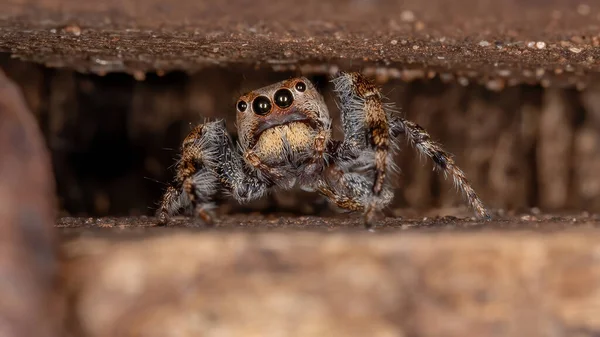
[
  {"x": 285, "y": 141},
  {"x": 283, "y": 129}
]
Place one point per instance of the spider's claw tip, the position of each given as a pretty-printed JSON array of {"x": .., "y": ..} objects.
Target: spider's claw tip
[{"x": 485, "y": 216}]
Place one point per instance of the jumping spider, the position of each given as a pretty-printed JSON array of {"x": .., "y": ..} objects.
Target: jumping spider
[{"x": 285, "y": 141}]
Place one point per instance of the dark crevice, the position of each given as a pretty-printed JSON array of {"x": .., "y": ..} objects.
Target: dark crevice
[{"x": 114, "y": 139}]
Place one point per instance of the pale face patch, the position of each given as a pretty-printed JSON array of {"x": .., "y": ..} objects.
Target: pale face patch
[{"x": 277, "y": 143}]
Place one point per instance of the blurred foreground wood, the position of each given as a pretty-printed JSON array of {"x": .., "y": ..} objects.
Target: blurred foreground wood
[
  {"x": 29, "y": 288},
  {"x": 346, "y": 284}
]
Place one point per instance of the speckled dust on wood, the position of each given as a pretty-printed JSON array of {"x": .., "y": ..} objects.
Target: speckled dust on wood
[
  {"x": 336, "y": 223},
  {"x": 511, "y": 42}
]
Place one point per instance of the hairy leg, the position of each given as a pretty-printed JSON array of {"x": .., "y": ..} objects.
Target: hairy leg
[
  {"x": 367, "y": 137},
  {"x": 353, "y": 191},
  {"x": 210, "y": 164},
  {"x": 370, "y": 133},
  {"x": 195, "y": 180},
  {"x": 365, "y": 123},
  {"x": 443, "y": 161}
]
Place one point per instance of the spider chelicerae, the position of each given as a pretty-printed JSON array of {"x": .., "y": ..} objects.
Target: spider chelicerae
[{"x": 285, "y": 140}]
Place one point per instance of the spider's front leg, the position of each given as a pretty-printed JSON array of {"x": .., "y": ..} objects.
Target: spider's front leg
[
  {"x": 210, "y": 164},
  {"x": 367, "y": 139},
  {"x": 195, "y": 179},
  {"x": 370, "y": 133}
]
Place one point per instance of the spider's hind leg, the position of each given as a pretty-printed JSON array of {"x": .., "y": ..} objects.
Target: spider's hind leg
[{"x": 443, "y": 161}]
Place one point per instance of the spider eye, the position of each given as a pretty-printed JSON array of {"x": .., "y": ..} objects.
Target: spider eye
[
  {"x": 283, "y": 98},
  {"x": 300, "y": 86},
  {"x": 242, "y": 106},
  {"x": 261, "y": 105}
]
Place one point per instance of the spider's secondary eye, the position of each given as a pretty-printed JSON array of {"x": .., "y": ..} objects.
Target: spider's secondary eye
[
  {"x": 300, "y": 86},
  {"x": 261, "y": 105},
  {"x": 283, "y": 98},
  {"x": 242, "y": 106}
]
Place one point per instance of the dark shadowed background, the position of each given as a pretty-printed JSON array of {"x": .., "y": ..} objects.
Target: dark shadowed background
[
  {"x": 114, "y": 138},
  {"x": 509, "y": 87}
]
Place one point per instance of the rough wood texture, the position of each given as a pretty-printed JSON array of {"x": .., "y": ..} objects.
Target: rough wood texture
[
  {"x": 316, "y": 284},
  {"x": 28, "y": 260},
  {"x": 496, "y": 43}
]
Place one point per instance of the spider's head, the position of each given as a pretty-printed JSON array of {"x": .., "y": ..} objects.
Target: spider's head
[{"x": 293, "y": 107}]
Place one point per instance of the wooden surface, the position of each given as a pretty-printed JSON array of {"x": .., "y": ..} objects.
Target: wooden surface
[
  {"x": 301, "y": 283},
  {"x": 498, "y": 43}
]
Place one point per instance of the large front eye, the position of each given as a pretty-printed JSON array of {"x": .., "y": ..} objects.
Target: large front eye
[
  {"x": 283, "y": 98},
  {"x": 261, "y": 105}
]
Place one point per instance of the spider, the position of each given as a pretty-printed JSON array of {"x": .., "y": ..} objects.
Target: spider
[{"x": 285, "y": 140}]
